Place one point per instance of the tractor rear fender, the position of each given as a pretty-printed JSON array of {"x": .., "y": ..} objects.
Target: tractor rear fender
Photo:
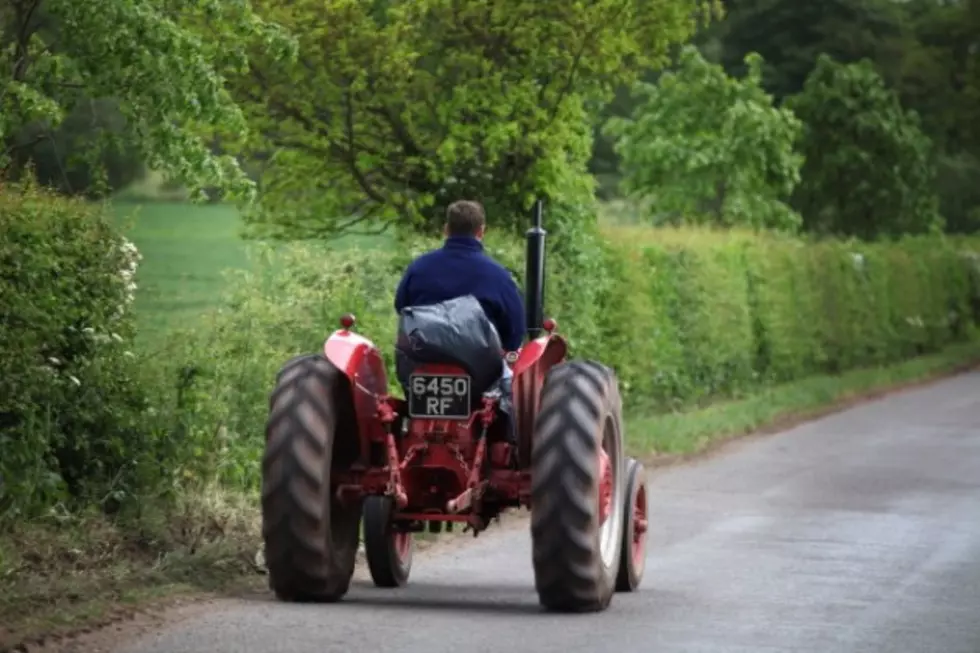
[
  {"x": 361, "y": 363},
  {"x": 551, "y": 348},
  {"x": 533, "y": 363}
]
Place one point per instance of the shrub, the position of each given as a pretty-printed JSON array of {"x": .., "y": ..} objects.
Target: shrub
[
  {"x": 738, "y": 310},
  {"x": 69, "y": 407}
]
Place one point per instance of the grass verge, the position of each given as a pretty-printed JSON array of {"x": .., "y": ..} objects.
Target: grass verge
[
  {"x": 71, "y": 573},
  {"x": 77, "y": 572},
  {"x": 680, "y": 435}
]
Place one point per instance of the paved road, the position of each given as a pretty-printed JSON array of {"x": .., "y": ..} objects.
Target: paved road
[{"x": 858, "y": 532}]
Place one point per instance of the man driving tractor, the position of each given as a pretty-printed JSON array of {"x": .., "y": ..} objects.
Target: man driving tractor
[{"x": 461, "y": 267}]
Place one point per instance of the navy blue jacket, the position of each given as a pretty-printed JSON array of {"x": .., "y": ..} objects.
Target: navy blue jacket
[{"x": 461, "y": 267}]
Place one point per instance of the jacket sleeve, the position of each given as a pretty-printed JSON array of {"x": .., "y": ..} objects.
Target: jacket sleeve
[
  {"x": 401, "y": 294},
  {"x": 513, "y": 305}
]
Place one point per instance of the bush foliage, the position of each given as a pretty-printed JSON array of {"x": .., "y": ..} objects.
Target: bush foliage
[
  {"x": 685, "y": 316},
  {"x": 69, "y": 404},
  {"x": 703, "y": 147},
  {"x": 869, "y": 168}
]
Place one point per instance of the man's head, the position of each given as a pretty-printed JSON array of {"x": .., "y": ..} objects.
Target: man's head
[{"x": 466, "y": 218}]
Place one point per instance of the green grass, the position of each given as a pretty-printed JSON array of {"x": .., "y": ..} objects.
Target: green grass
[
  {"x": 186, "y": 248},
  {"x": 679, "y": 434}
]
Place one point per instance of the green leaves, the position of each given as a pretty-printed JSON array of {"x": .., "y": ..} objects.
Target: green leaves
[
  {"x": 394, "y": 109},
  {"x": 68, "y": 391},
  {"x": 869, "y": 167},
  {"x": 703, "y": 147},
  {"x": 165, "y": 61}
]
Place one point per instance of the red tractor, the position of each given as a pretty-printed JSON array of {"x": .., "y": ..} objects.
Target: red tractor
[{"x": 342, "y": 454}]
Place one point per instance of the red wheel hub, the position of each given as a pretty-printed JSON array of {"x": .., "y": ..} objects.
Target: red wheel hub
[
  {"x": 605, "y": 486},
  {"x": 403, "y": 543},
  {"x": 639, "y": 527}
]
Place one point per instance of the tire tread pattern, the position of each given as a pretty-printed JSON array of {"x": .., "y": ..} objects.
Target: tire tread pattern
[
  {"x": 310, "y": 541},
  {"x": 576, "y": 399}
]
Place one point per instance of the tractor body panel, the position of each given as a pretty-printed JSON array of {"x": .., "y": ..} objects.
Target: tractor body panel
[
  {"x": 363, "y": 366},
  {"x": 533, "y": 363},
  {"x": 442, "y": 451}
]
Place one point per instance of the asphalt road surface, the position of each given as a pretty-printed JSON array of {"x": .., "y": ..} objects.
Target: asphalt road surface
[{"x": 857, "y": 532}]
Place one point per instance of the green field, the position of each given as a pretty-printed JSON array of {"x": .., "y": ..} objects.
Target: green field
[{"x": 186, "y": 248}]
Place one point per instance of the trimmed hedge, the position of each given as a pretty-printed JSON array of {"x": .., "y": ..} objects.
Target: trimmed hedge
[
  {"x": 684, "y": 316},
  {"x": 738, "y": 311}
]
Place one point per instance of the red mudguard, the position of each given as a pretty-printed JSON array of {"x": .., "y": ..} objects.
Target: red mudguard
[{"x": 362, "y": 364}]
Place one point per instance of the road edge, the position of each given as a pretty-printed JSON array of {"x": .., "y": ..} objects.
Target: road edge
[{"x": 154, "y": 609}]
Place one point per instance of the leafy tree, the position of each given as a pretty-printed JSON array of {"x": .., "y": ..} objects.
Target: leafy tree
[
  {"x": 869, "y": 168},
  {"x": 83, "y": 154},
  {"x": 163, "y": 61},
  {"x": 791, "y": 34},
  {"x": 396, "y": 107},
  {"x": 705, "y": 147},
  {"x": 935, "y": 81},
  {"x": 934, "y": 66},
  {"x": 971, "y": 74}
]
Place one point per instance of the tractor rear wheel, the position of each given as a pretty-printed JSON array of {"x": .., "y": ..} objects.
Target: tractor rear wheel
[
  {"x": 310, "y": 538},
  {"x": 389, "y": 553},
  {"x": 577, "y": 488},
  {"x": 632, "y": 561}
]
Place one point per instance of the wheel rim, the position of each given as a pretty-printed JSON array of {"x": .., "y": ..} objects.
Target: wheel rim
[
  {"x": 610, "y": 529},
  {"x": 403, "y": 545},
  {"x": 605, "y": 486},
  {"x": 639, "y": 534}
]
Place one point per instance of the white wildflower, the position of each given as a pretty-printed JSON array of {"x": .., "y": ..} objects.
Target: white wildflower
[
  {"x": 74, "y": 380},
  {"x": 54, "y": 361},
  {"x": 116, "y": 337}
]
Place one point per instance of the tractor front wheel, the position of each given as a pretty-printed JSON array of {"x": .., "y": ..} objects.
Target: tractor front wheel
[
  {"x": 577, "y": 488},
  {"x": 389, "y": 552},
  {"x": 632, "y": 561},
  {"x": 310, "y": 538}
]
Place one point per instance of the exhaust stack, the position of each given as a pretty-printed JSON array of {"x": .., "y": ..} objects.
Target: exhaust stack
[{"x": 534, "y": 274}]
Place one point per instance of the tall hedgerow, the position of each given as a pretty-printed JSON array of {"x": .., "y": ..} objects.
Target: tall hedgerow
[
  {"x": 685, "y": 316},
  {"x": 70, "y": 426}
]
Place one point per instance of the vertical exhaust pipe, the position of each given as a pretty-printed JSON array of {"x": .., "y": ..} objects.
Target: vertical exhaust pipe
[{"x": 534, "y": 274}]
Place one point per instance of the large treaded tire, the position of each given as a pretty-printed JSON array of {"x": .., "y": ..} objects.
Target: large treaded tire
[
  {"x": 310, "y": 539},
  {"x": 389, "y": 554},
  {"x": 575, "y": 559}
]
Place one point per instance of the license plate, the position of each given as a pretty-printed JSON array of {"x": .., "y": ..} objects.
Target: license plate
[{"x": 439, "y": 396}]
